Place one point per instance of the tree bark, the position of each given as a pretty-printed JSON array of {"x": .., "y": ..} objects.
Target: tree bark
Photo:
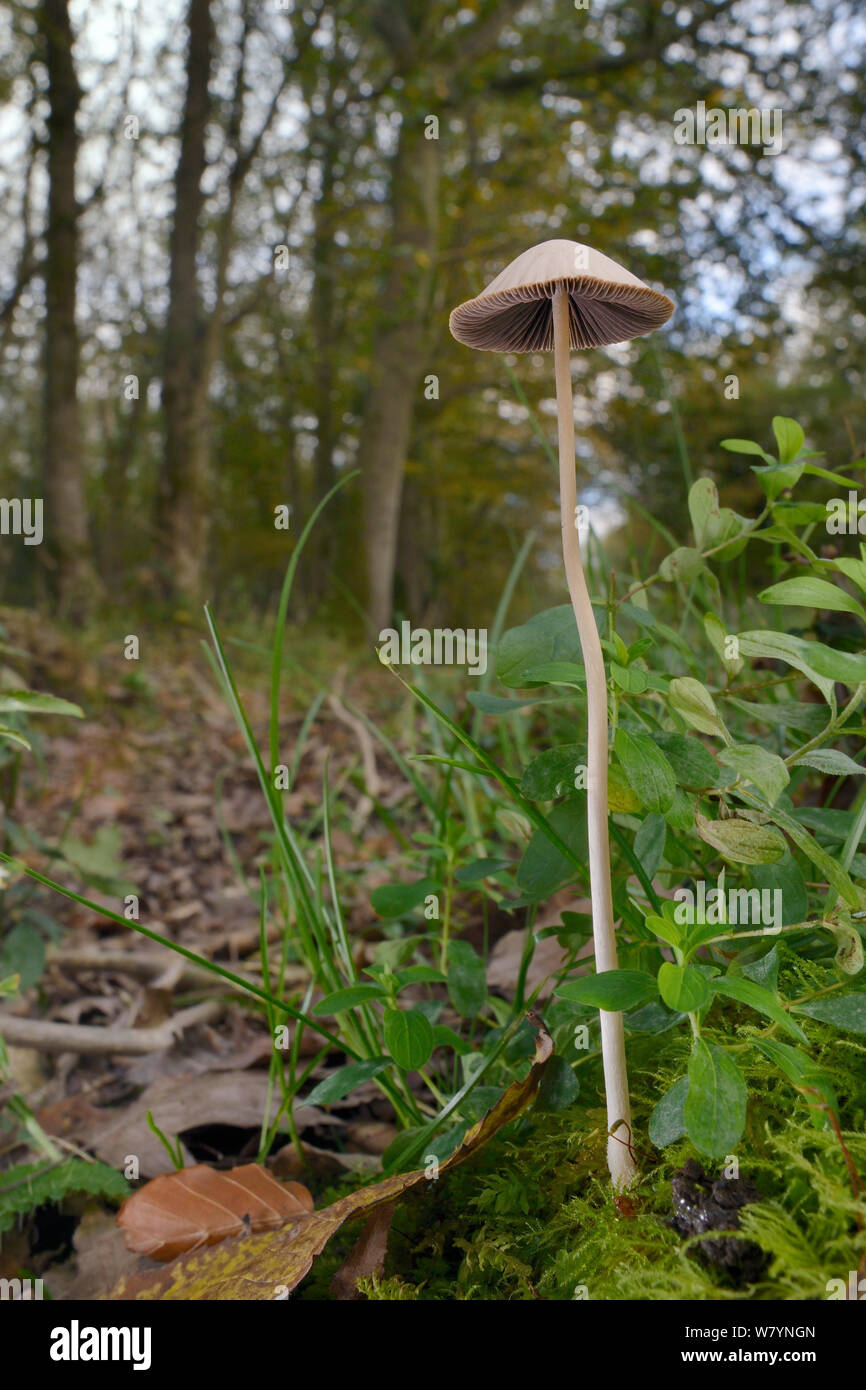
[
  {"x": 399, "y": 355},
  {"x": 182, "y": 507},
  {"x": 66, "y": 528}
]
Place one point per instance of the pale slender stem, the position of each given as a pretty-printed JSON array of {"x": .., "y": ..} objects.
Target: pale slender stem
[{"x": 620, "y": 1162}]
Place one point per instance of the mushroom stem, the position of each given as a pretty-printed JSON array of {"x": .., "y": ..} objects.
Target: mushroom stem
[{"x": 619, "y": 1159}]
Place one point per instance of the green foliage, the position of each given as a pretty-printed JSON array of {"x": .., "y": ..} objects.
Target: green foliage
[
  {"x": 31, "y": 1185},
  {"x": 736, "y": 821}
]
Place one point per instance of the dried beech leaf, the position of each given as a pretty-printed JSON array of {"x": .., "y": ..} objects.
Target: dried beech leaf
[
  {"x": 199, "y": 1206},
  {"x": 268, "y": 1266}
]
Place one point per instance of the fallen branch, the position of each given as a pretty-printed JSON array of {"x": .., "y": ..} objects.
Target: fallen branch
[
  {"x": 47, "y": 1036},
  {"x": 141, "y": 965}
]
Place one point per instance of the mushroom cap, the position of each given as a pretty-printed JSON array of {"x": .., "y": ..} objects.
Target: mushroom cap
[{"x": 606, "y": 303}]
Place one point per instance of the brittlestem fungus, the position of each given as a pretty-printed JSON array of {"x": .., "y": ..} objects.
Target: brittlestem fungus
[{"x": 562, "y": 295}]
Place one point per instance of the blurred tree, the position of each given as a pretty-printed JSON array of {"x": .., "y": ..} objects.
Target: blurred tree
[
  {"x": 183, "y": 487},
  {"x": 73, "y": 577}
]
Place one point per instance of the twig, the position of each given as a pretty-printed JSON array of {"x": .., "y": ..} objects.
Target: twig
[{"x": 47, "y": 1036}]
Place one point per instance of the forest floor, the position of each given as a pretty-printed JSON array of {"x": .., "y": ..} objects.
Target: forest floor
[{"x": 153, "y": 794}]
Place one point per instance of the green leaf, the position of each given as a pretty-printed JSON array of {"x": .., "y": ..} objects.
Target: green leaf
[
  {"x": 815, "y": 472},
  {"x": 669, "y": 931},
  {"x": 763, "y": 769},
  {"x": 30, "y": 1185},
  {"x": 694, "y": 703},
  {"x": 693, "y": 764},
  {"x": 467, "y": 979},
  {"x": 613, "y": 990},
  {"x": 776, "y": 477},
  {"x": 631, "y": 679},
  {"x": 849, "y": 668},
  {"x": 790, "y": 714},
  {"x": 29, "y": 702},
  {"x": 544, "y": 866},
  {"x": 832, "y": 871},
  {"x": 780, "y": 646},
  {"x": 408, "y": 1037},
  {"x": 786, "y": 876},
  {"x": 741, "y": 841},
  {"x": 703, "y": 510},
  {"x": 621, "y": 799},
  {"x": 758, "y": 998},
  {"x": 746, "y": 446},
  {"x": 714, "y": 524},
  {"x": 14, "y": 737},
  {"x": 396, "y": 899},
  {"x": 667, "y": 1123},
  {"x": 559, "y": 1086},
  {"x": 549, "y": 636},
  {"x": 100, "y": 860},
  {"x": 718, "y": 636},
  {"x": 681, "y": 565},
  {"x": 789, "y": 438},
  {"x": 23, "y": 954},
  {"x": 854, "y": 570},
  {"x": 556, "y": 673},
  {"x": 715, "y": 1107},
  {"x": 683, "y": 988},
  {"x": 765, "y": 971},
  {"x": 649, "y": 843},
  {"x": 808, "y": 592},
  {"x": 680, "y": 815},
  {"x": 446, "y": 1037},
  {"x": 340, "y": 1083},
  {"x": 847, "y": 1011},
  {"x": 828, "y": 823},
  {"x": 647, "y": 769},
  {"x": 830, "y": 761},
  {"x": 343, "y": 999},
  {"x": 480, "y": 869},
  {"x": 552, "y": 773},
  {"x": 418, "y": 975},
  {"x": 801, "y": 1070},
  {"x": 800, "y": 513}
]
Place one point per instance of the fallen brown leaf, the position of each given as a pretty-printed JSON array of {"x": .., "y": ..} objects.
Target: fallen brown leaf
[
  {"x": 269, "y": 1266},
  {"x": 200, "y": 1206}
]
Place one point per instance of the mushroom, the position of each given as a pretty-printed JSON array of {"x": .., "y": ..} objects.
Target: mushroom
[{"x": 563, "y": 295}]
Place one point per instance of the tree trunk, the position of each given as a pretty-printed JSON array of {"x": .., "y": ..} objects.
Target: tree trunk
[
  {"x": 183, "y": 503},
  {"x": 74, "y": 580},
  {"x": 399, "y": 356}
]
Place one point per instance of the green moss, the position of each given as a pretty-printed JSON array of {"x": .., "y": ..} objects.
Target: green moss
[{"x": 534, "y": 1216}]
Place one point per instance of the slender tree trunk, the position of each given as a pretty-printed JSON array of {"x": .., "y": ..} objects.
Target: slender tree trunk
[
  {"x": 182, "y": 507},
  {"x": 66, "y": 527},
  {"x": 399, "y": 356}
]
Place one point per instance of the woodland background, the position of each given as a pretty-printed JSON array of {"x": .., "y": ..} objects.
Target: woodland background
[{"x": 156, "y": 158}]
